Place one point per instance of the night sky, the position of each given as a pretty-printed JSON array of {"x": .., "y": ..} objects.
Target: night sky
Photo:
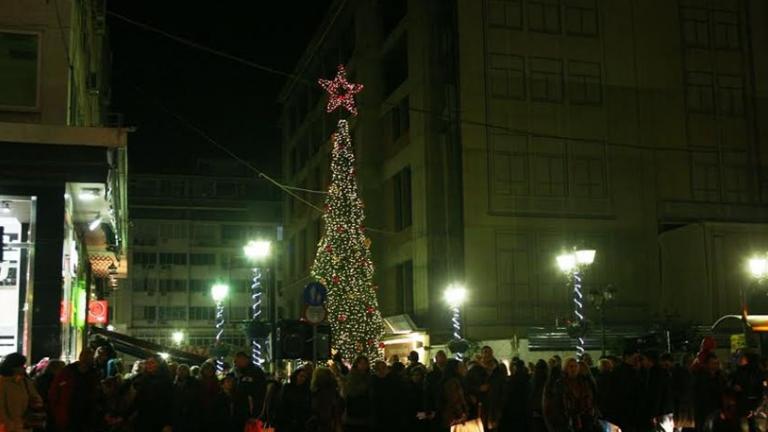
[{"x": 234, "y": 103}]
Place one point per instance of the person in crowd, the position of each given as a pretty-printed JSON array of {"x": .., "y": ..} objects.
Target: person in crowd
[
  {"x": 415, "y": 417},
  {"x": 452, "y": 406},
  {"x": 295, "y": 403},
  {"x": 224, "y": 413},
  {"x": 515, "y": 417},
  {"x": 388, "y": 398},
  {"x": 682, "y": 392},
  {"x": 433, "y": 389},
  {"x": 626, "y": 393},
  {"x": 186, "y": 400},
  {"x": 536, "y": 397},
  {"x": 74, "y": 394},
  {"x": 115, "y": 367},
  {"x": 413, "y": 361},
  {"x": 103, "y": 353},
  {"x": 358, "y": 394},
  {"x": 747, "y": 382},
  {"x": 327, "y": 404},
  {"x": 44, "y": 379},
  {"x": 727, "y": 418},
  {"x": 116, "y": 404},
  {"x": 603, "y": 385},
  {"x": 153, "y": 402},
  {"x": 18, "y": 395},
  {"x": 658, "y": 402},
  {"x": 250, "y": 389},
  {"x": 569, "y": 401},
  {"x": 709, "y": 385},
  {"x": 338, "y": 361},
  {"x": 485, "y": 386},
  {"x": 194, "y": 372},
  {"x": 209, "y": 391},
  {"x": 269, "y": 414}
]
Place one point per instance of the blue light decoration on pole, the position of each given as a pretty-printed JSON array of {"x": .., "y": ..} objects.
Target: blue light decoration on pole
[
  {"x": 219, "y": 292},
  {"x": 455, "y": 295},
  {"x": 573, "y": 264},
  {"x": 256, "y": 251}
]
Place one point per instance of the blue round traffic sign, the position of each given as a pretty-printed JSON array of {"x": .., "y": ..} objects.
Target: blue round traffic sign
[{"x": 315, "y": 294}]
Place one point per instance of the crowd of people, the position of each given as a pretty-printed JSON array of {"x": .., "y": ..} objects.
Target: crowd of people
[{"x": 637, "y": 392}]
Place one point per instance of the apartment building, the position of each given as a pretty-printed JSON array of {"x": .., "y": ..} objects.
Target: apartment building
[
  {"x": 495, "y": 134},
  {"x": 188, "y": 233}
]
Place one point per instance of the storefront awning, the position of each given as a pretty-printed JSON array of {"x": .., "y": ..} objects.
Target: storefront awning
[{"x": 142, "y": 349}]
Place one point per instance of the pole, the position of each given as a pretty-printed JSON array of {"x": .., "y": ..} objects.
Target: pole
[
  {"x": 602, "y": 322},
  {"x": 219, "y": 332},
  {"x": 272, "y": 322},
  {"x": 456, "y": 321},
  {"x": 314, "y": 344},
  {"x": 256, "y": 351},
  {"x": 578, "y": 309}
]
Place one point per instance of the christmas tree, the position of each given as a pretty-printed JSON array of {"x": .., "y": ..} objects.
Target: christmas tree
[{"x": 343, "y": 261}]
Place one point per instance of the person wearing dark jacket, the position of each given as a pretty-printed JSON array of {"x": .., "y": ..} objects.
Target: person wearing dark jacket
[
  {"x": 327, "y": 404},
  {"x": 747, "y": 382},
  {"x": 536, "y": 397},
  {"x": 153, "y": 403},
  {"x": 415, "y": 413},
  {"x": 708, "y": 387},
  {"x": 250, "y": 389},
  {"x": 515, "y": 416},
  {"x": 73, "y": 395},
  {"x": 358, "y": 416},
  {"x": 658, "y": 402},
  {"x": 485, "y": 386},
  {"x": 295, "y": 403},
  {"x": 625, "y": 393},
  {"x": 432, "y": 389},
  {"x": 387, "y": 392},
  {"x": 224, "y": 407},
  {"x": 209, "y": 392},
  {"x": 452, "y": 406},
  {"x": 186, "y": 401}
]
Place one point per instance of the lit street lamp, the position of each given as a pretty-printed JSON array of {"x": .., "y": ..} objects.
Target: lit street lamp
[
  {"x": 455, "y": 295},
  {"x": 219, "y": 292},
  {"x": 257, "y": 251},
  {"x": 573, "y": 264},
  {"x": 177, "y": 337},
  {"x": 600, "y": 297}
]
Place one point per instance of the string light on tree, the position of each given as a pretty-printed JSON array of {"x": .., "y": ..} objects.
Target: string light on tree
[
  {"x": 341, "y": 93},
  {"x": 343, "y": 261}
]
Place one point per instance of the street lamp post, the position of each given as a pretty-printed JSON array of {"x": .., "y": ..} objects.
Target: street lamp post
[
  {"x": 758, "y": 270},
  {"x": 600, "y": 298},
  {"x": 257, "y": 251},
  {"x": 455, "y": 295},
  {"x": 219, "y": 292},
  {"x": 573, "y": 264}
]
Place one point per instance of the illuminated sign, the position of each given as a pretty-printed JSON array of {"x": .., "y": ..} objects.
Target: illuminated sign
[{"x": 98, "y": 312}]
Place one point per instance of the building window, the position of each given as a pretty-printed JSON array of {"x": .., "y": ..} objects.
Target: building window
[
  {"x": 404, "y": 284},
  {"x": 171, "y": 188},
  {"x": 730, "y": 95},
  {"x": 706, "y": 177},
  {"x": 581, "y": 17},
  {"x": 172, "y": 285},
  {"x": 505, "y": 13},
  {"x": 19, "y": 65},
  {"x": 509, "y": 164},
  {"x": 202, "y": 259},
  {"x": 507, "y": 76},
  {"x": 588, "y": 167},
  {"x": 200, "y": 286},
  {"x": 548, "y": 167},
  {"x": 735, "y": 177},
  {"x": 172, "y": 231},
  {"x": 144, "y": 258},
  {"x": 401, "y": 119},
  {"x": 204, "y": 233},
  {"x": 148, "y": 313},
  {"x": 226, "y": 189},
  {"x": 695, "y": 27},
  {"x": 546, "y": 79},
  {"x": 584, "y": 83},
  {"x": 202, "y": 313},
  {"x": 239, "y": 313},
  {"x": 726, "y": 30},
  {"x": 544, "y": 16},
  {"x": 402, "y": 199},
  {"x": 396, "y": 65},
  {"x": 167, "y": 258},
  {"x": 699, "y": 92},
  {"x": 172, "y": 313}
]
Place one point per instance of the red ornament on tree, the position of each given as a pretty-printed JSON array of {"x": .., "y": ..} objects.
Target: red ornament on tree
[
  {"x": 370, "y": 309},
  {"x": 341, "y": 92},
  {"x": 328, "y": 248},
  {"x": 381, "y": 345},
  {"x": 336, "y": 279},
  {"x": 342, "y": 317},
  {"x": 340, "y": 229}
]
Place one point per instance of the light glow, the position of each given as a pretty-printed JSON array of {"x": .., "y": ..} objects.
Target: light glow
[
  {"x": 177, "y": 337},
  {"x": 164, "y": 355},
  {"x": 258, "y": 249},
  {"x": 758, "y": 267},
  {"x": 88, "y": 195},
  {"x": 219, "y": 292},
  {"x": 455, "y": 295},
  {"x": 95, "y": 224},
  {"x": 585, "y": 256},
  {"x": 341, "y": 92},
  {"x": 566, "y": 262}
]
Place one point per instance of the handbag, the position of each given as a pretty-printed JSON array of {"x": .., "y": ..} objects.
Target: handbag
[
  {"x": 474, "y": 425},
  {"x": 35, "y": 417}
]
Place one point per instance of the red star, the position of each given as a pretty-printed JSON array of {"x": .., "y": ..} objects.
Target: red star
[{"x": 341, "y": 92}]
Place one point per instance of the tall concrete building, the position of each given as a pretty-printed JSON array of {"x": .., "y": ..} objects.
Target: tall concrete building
[
  {"x": 188, "y": 233},
  {"x": 62, "y": 176},
  {"x": 495, "y": 134}
]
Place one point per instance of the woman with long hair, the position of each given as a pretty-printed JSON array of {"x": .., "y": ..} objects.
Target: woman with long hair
[
  {"x": 327, "y": 405},
  {"x": 452, "y": 406},
  {"x": 17, "y": 394},
  {"x": 358, "y": 393}
]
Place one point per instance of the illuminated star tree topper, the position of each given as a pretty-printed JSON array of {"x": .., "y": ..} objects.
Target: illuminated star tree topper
[{"x": 340, "y": 91}]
